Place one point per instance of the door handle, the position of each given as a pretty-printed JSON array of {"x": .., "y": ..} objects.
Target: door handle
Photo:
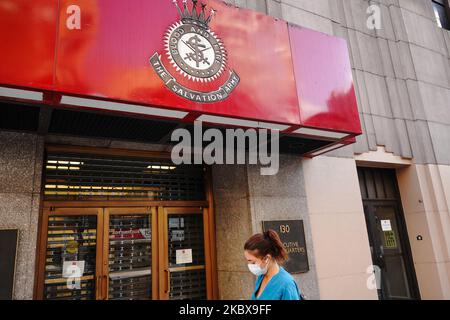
[
  {"x": 168, "y": 281},
  {"x": 98, "y": 288},
  {"x": 381, "y": 262},
  {"x": 105, "y": 287}
]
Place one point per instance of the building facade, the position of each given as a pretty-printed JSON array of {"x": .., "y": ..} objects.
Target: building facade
[{"x": 383, "y": 201}]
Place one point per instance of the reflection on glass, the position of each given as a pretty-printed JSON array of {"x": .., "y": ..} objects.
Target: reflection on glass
[
  {"x": 130, "y": 257},
  {"x": 441, "y": 15},
  {"x": 70, "y": 258},
  {"x": 186, "y": 257}
]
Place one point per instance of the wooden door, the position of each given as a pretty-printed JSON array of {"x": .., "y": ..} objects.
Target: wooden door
[
  {"x": 185, "y": 261},
  {"x": 130, "y": 254},
  {"x": 125, "y": 253},
  {"x": 70, "y": 254}
]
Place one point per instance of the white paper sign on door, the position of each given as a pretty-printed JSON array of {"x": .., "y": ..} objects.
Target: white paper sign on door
[
  {"x": 386, "y": 225},
  {"x": 184, "y": 256},
  {"x": 73, "y": 269}
]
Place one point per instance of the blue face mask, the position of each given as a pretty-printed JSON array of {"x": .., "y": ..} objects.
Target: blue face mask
[{"x": 257, "y": 270}]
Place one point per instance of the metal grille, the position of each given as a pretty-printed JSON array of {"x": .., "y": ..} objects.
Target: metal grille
[
  {"x": 377, "y": 184},
  {"x": 130, "y": 257},
  {"x": 186, "y": 233},
  {"x": 95, "y": 177},
  {"x": 188, "y": 285},
  {"x": 70, "y": 239},
  {"x": 109, "y": 126}
]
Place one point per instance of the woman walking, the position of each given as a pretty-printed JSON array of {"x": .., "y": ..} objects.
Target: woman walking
[{"x": 264, "y": 253}]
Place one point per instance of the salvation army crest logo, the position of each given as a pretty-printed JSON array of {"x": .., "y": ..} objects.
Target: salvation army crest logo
[{"x": 197, "y": 54}]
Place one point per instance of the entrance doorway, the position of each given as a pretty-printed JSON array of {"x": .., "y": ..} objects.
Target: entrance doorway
[
  {"x": 125, "y": 253},
  {"x": 117, "y": 227},
  {"x": 388, "y": 236}
]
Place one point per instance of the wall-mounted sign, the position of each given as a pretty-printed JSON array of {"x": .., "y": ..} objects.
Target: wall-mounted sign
[
  {"x": 8, "y": 250},
  {"x": 197, "y": 54},
  {"x": 292, "y": 234},
  {"x": 182, "y": 60}
]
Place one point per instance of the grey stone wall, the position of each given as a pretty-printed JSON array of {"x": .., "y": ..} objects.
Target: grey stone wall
[
  {"x": 20, "y": 183},
  {"x": 402, "y": 75},
  {"x": 243, "y": 199},
  {"x": 233, "y": 228},
  {"x": 283, "y": 197},
  {"x": 402, "y": 71}
]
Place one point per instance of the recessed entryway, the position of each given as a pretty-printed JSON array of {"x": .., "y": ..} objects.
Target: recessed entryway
[
  {"x": 122, "y": 227},
  {"x": 388, "y": 236}
]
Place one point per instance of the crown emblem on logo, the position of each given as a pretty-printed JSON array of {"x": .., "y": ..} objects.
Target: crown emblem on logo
[
  {"x": 196, "y": 53},
  {"x": 193, "y": 16},
  {"x": 193, "y": 49}
]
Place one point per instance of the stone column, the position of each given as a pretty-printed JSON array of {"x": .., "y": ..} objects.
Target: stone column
[
  {"x": 283, "y": 197},
  {"x": 233, "y": 228},
  {"x": 20, "y": 185},
  {"x": 425, "y": 193},
  {"x": 243, "y": 199},
  {"x": 339, "y": 231}
]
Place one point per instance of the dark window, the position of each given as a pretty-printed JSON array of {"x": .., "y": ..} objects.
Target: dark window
[
  {"x": 8, "y": 250},
  {"x": 441, "y": 13}
]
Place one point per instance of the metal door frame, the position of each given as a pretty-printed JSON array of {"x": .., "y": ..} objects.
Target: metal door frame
[
  {"x": 144, "y": 211},
  {"x": 403, "y": 232},
  {"x": 48, "y": 206},
  {"x": 43, "y": 239},
  {"x": 159, "y": 217},
  {"x": 164, "y": 269}
]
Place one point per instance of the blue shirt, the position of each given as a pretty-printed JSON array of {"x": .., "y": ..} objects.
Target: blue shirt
[{"x": 282, "y": 286}]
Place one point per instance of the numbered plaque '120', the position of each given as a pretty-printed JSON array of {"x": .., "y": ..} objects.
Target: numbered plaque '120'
[{"x": 292, "y": 234}]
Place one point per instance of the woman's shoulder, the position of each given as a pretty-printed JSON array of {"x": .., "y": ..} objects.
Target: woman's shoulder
[
  {"x": 284, "y": 274},
  {"x": 285, "y": 277},
  {"x": 290, "y": 289}
]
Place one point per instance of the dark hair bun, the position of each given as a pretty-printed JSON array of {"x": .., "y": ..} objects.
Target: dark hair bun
[{"x": 265, "y": 243}]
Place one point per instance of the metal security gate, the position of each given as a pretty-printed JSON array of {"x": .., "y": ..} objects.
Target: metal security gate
[
  {"x": 185, "y": 269},
  {"x": 388, "y": 236},
  {"x": 124, "y": 228},
  {"x": 72, "y": 252},
  {"x": 129, "y": 247},
  {"x": 71, "y": 176}
]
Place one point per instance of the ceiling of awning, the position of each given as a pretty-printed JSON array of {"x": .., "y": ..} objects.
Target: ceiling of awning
[{"x": 47, "y": 120}]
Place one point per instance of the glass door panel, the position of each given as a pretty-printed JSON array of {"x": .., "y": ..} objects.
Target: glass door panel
[
  {"x": 184, "y": 260},
  {"x": 391, "y": 249},
  {"x": 135, "y": 253},
  {"x": 70, "y": 271},
  {"x": 129, "y": 262}
]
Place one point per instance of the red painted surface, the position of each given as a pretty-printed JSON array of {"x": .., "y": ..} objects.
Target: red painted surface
[
  {"x": 289, "y": 75},
  {"x": 109, "y": 57},
  {"x": 324, "y": 81},
  {"x": 28, "y": 41}
]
